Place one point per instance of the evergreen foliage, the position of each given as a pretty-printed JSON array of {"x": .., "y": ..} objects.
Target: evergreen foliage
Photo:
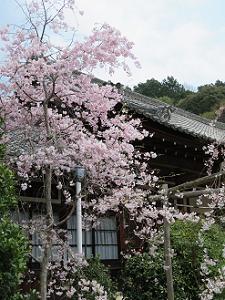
[
  {"x": 13, "y": 253},
  {"x": 13, "y": 243},
  {"x": 143, "y": 276},
  {"x": 169, "y": 87},
  {"x": 7, "y": 190},
  {"x": 95, "y": 271},
  {"x": 205, "y": 101}
]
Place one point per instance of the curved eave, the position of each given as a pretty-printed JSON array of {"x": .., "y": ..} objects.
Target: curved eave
[{"x": 179, "y": 119}]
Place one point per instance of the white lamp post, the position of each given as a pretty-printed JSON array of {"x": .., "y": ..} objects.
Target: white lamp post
[{"x": 79, "y": 176}]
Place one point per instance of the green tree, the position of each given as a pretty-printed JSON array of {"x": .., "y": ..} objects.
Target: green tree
[
  {"x": 173, "y": 89},
  {"x": 7, "y": 190},
  {"x": 97, "y": 272},
  {"x": 205, "y": 102},
  {"x": 220, "y": 83},
  {"x": 13, "y": 243},
  {"x": 207, "y": 99},
  {"x": 151, "y": 88},
  {"x": 169, "y": 90},
  {"x": 167, "y": 100},
  {"x": 13, "y": 253},
  {"x": 143, "y": 276}
]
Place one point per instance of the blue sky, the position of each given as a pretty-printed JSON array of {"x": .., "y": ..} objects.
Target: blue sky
[
  {"x": 9, "y": 12},
  {"x": 183, "y": 38}
]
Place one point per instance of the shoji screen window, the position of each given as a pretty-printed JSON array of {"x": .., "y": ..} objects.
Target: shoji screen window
[
  {"x": 86, "y": 237},
  {"x": 106, "y": 240},
  {"x": 37, "y": 242},
  {"x": 100, "y": 241}
]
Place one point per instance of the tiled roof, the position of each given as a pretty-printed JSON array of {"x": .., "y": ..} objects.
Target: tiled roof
[{"x": 176, "y": 118}]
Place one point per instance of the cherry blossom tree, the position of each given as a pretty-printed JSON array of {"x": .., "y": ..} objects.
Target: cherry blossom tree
[{"x": 56, "y": 117}]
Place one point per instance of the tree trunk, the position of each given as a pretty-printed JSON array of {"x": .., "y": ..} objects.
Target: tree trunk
[
  {"x": 47, "y": 243},
  {"x": 48, "y": 240}
]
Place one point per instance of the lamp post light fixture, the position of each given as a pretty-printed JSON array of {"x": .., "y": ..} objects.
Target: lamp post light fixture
[{"x": 79, "y": 173}]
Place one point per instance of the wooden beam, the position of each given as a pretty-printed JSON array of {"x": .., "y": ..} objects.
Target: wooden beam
[
  {"x": 39, "y": 200},
  {"x": 191, "y": 184},
  {"x": 193, "y": 194},
  {"x": 197, "y": 182},
  {"x": 172, "y": 162}
]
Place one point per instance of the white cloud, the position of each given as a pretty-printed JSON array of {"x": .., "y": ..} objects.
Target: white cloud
[{"x": 171, "y": 37}]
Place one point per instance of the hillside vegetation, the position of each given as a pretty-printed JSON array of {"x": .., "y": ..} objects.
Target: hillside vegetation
[{"x": 205, "y": 101}]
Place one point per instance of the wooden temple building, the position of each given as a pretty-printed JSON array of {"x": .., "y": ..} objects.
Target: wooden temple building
[{"x": 178, "y": 139}]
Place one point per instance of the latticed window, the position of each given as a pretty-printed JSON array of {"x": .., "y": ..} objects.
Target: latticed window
[
  {"x": 24, "y": 216},
  {"x": 102, "y": 240}
]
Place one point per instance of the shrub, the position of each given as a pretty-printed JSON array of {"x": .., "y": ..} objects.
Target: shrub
[
  {"x": 13, "y": 243},
  {"x": 13, "y": 253},
  {"x": 97, "y": 272},
  {"x": 143, "y": 276},
  {"x": 189, "y": 255},
  {"x": 7, "y": 190},
  {"x": 32, "y": 295}
]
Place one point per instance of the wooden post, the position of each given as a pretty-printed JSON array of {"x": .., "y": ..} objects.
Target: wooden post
[{"x": 167, "y": 251}]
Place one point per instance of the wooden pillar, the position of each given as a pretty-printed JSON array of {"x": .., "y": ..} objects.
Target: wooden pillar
[
  {"x": 167, "y": 251},
  {"x": 122, "y": 233}
]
